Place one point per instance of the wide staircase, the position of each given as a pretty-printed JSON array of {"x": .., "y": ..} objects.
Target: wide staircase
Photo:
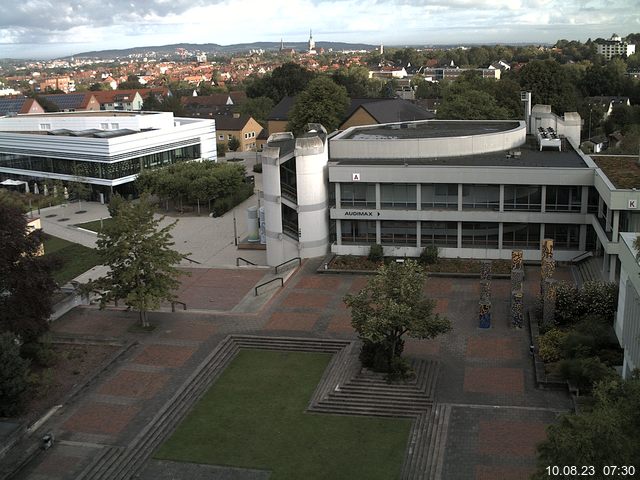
[{"x": 589, "y": 269}]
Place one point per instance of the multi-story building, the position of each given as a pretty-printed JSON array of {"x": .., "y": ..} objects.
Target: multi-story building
[
  {"x": 242, "y": 127},
  {"x": 614, "y": 46},
  {"x": 72, "y": 102},
  {"x": 106, "y": 149}
]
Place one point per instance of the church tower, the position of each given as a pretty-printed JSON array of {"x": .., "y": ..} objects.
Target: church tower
[{"x": 312, "y": 44}]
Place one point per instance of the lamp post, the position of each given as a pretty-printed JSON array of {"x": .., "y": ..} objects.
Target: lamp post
[{"x": 589, "y": 125}]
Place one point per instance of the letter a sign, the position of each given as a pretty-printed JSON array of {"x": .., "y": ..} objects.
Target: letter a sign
[{"x": 356, "y": 177}]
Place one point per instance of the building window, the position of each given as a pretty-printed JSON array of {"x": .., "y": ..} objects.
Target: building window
[
  {"x": 394, "y": 232},
  {"x": 480, "y": 234},
  {"x": 593, "y": 200},
  {"x": 400, "y": 196},
  {"x": 521, "y": 235},
  {"x": 522, "y": 197},
  {"x": 359, "y": 195},
  {"x": 480, "y": 197},
  {"x": 439, "y": 196},
  {"x": 104, "y": 126},
  {"x": 229, "y": 137},
  {"x": 220, "y": 137},
  {"x": 563, "y": 199},
  {"x": 357, "y": 232},
  {"x": 45, "y": 126},
  {"x": 290, "y": 222},
  {"x": 288, "y": 180},
  {"x": 565, "y": 237},
  {"x": 440, "y": 234},
  {"x": 115, "y": 126},
  {"x": 246, "y": 136}
]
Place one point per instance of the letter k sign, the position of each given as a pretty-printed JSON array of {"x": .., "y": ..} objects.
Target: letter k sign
[{"x": 633, "y": 204}]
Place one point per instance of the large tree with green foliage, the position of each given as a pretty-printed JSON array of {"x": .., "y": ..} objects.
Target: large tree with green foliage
[
  {"x": 288, "y": 79},
  {"x": 604, "y": 435},
  {"x": 14, "y": 373},
  {"x": 357, "y": 82},
  {"x": 392, "y": 305},
  {"x": 25, "y": 277},
  {"x": 470, "y": 97},
  {"x": 258, "y": 108},
  {"x": 142, "y": 264},
  {"x": 550, "y": 84},
  {"x": 322, "y": 102}
]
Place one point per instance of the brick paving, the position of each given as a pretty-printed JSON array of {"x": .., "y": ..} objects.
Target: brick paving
[{"x": 498, "y": 415}]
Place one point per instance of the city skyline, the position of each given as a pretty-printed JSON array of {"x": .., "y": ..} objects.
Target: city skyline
[{"x": 41, "y": 30}]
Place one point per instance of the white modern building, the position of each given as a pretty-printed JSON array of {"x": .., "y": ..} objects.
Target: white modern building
[
  {"x": 627, "y": 323},
  {"x": 614, "y": 46},
  {"x": 106, "y": 149}
]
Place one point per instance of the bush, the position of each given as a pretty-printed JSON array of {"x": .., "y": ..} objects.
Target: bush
[
  {"x": 429, "y": 255},
  {"x": 40, "y": 352},
  {"x": 376, "y": 253},
  {"x": 567, "y": 297},
  {"x": 375, "y": 356},
  {"x": 594, "y": 298},
  {"x": 257, "y": 168},
  {"x": 549, "y": 345},
  {"x": 222, "y": 205},
  {"x": 584, "y": 372}
]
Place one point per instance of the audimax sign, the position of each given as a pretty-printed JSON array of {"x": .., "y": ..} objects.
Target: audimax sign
[{"x": 361, "y": 213}]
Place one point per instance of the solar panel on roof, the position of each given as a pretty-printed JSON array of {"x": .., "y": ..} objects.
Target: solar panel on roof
[
  {"x": 8, "y": 105},
  {"x": 66, "y": 101}
]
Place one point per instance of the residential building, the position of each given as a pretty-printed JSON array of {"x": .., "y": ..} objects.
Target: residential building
[
  {"x": 16, "y": 105},
  {"x": 66, "y": 84},
  {"x": 72, "y": 102},
  {"x": 607, "y": 103},
  {"x": 126, "y": 100},
  {"x": 614, "y": 46},
  {"x": 104, "y": 149},
  {"x": 242, "y": 127},
  {"x": 210, "y": 105}
]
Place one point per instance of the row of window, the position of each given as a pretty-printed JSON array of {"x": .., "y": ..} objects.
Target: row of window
[
  {"x": 474, "y": 234},
  {"x": 474, "y": 197},
  {"x": 105, "y": 170}
]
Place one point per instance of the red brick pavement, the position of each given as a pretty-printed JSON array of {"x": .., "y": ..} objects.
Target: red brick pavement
[
  {"x": 498, "y": 348},
  {"x": 129, "y": 383},
  {"x": 442, "y": 306},
  {"x": 101, "y": 418},
  {"x": 164, "y": 355},
  {"x": 56, "y": 465},
  {"x": 358, "y": 284},
  {"x": 320, "y": 282},
  {"x": 484, "y": 472},
  {"x": 89, "y": 321},
  {"x": 505, "y": 437},
  {"x": 438, "y": 287},
  {"x": 186, "y": 329},
  {"x": 416, "y": 348},
  {"x": 340, "y": 323},
  {"x": 307, "y": 300},
  {"x": 216, "y": 288},
  {"x": 292, "y": 321},
  {"x": 494, "y": 380}
]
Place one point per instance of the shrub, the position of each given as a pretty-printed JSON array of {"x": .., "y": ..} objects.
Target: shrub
[
  {"x": 549, "y": 345},
  {"x": 584, "y": 372},
  {"x": 40, "y": 352},
  {"x": 429, "y": 255},
  {"x": 566, "y": 302},
  {"x": 594, "y": 298},
  {"x": 375, "y": 356},
  {"x": 222, "y": 205},
  {"x": 257, "y": 168},
  {"x": 376, "y": 253},
  {"x": 14, "y": 374}
]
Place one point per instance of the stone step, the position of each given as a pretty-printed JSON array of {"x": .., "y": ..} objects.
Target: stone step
[
  {"x": 420, "y": 429},
  {"x": 377, "y": 400},
  {"x": 360, "y": 410},
  {"x": 102, "y": 460},
  {"x": 357, "y": 390}
]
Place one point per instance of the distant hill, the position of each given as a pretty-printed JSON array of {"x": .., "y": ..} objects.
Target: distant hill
[{"x": 214, "y": 48}]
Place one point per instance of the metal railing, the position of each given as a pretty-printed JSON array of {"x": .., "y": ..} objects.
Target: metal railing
[
  {"x": 173, "y": 305},
  {"x": 582, "y": 256},
  {"x": 192, "y": 261},
  {"x": 267, "y": 283},
  {"x": 248, "y": 262},
  {"x": 288, "y": 261}
]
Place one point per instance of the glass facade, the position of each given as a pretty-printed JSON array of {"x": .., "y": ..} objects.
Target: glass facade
[
  {"x": 439, "y": 196},
  {"x": 481, "y": 197},
  {"x": 288, "y": 182},
  {"x": 440, "y": 234},
  {"x": 396, "y": 232},
  {"x": 521, "y": 235},
  {"x": 480, "y": 235},
  {"x": 563, "y": 199},
  {"x": 400, "y": 196},
  {"x": 355, "y": 232},
  {"x": 522, "y": 197},
  {"x": 565, "y": 237},
  {"x": 358, "y": 195},
  {"x": 104, "y": 170},
  {"x": 290, "y": 222}
]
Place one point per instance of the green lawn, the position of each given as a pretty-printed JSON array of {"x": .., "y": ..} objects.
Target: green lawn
[
  {"x": 94, "y": 226},
  {"x": 253, "y": 417},
  {"x": 74, "y": 259}
]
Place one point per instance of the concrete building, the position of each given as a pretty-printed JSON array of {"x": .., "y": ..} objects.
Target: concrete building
[
  {"x": 104, "y": 149},
  {"x": 627, "y": 323},
  {"x": 614, "y": 46}
]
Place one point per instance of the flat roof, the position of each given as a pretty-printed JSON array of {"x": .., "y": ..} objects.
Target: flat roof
[
  {"x": 431, "y": 129},
  {"x": 622, "y": 171},
  {"x": 90, "y": 113},
  {"x": 529, "y": 156}
]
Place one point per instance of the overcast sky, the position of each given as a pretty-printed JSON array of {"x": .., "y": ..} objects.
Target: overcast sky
[{"x": 51, "y": 28}]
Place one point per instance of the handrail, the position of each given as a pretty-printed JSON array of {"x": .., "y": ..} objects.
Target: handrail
[
  {"x": 173, "y": 305},
  {"x": 288, "y": 261},
  {"x": 244, "y": 260},
  {"x": 267, "y": 283},
  {"x": 581, "y": 257},
  {"x": 192, "y": 261}
]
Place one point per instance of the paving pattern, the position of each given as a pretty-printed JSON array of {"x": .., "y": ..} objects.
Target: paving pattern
[{"x": 494, "y": 413}]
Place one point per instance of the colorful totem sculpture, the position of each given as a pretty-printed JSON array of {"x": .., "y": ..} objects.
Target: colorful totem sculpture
[
  {"x": 485, "y": 294},
  {"x": 547, "y": 286},
  {"x": 517, "y": 277}
]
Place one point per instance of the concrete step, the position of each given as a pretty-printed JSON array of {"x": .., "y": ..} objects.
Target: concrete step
[{"x": 362, "y": 410}]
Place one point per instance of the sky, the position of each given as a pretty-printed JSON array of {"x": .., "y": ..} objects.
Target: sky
[{"x": 42, "y": 29}]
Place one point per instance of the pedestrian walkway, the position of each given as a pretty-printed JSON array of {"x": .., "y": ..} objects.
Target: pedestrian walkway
[{"x": 495, "y": 415}]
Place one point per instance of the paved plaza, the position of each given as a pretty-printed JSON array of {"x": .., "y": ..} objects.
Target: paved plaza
[{"x": 486, "y": 376}]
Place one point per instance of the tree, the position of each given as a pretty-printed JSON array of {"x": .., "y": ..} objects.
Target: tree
[
  {"x": 233, "y": 144},
  {"x": 604, "y": 435},
  {"x": 25, "y": 277},
  {"x": 80, "y": 190},
  {"x": 391, "y": 305},
  {"x": 322, "y": 102},
  {"x": 550, "y": 85},
  {"x": 142, "y": 264},
  {"x": 14, "y": 374},
  {"x": 357, "y": 82},
  {"x": 288, "y": 79},
  {"x": 471, "y": 97},
  {"x": 258, "y": 108},
  {"x": 132, "y": 83}
]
